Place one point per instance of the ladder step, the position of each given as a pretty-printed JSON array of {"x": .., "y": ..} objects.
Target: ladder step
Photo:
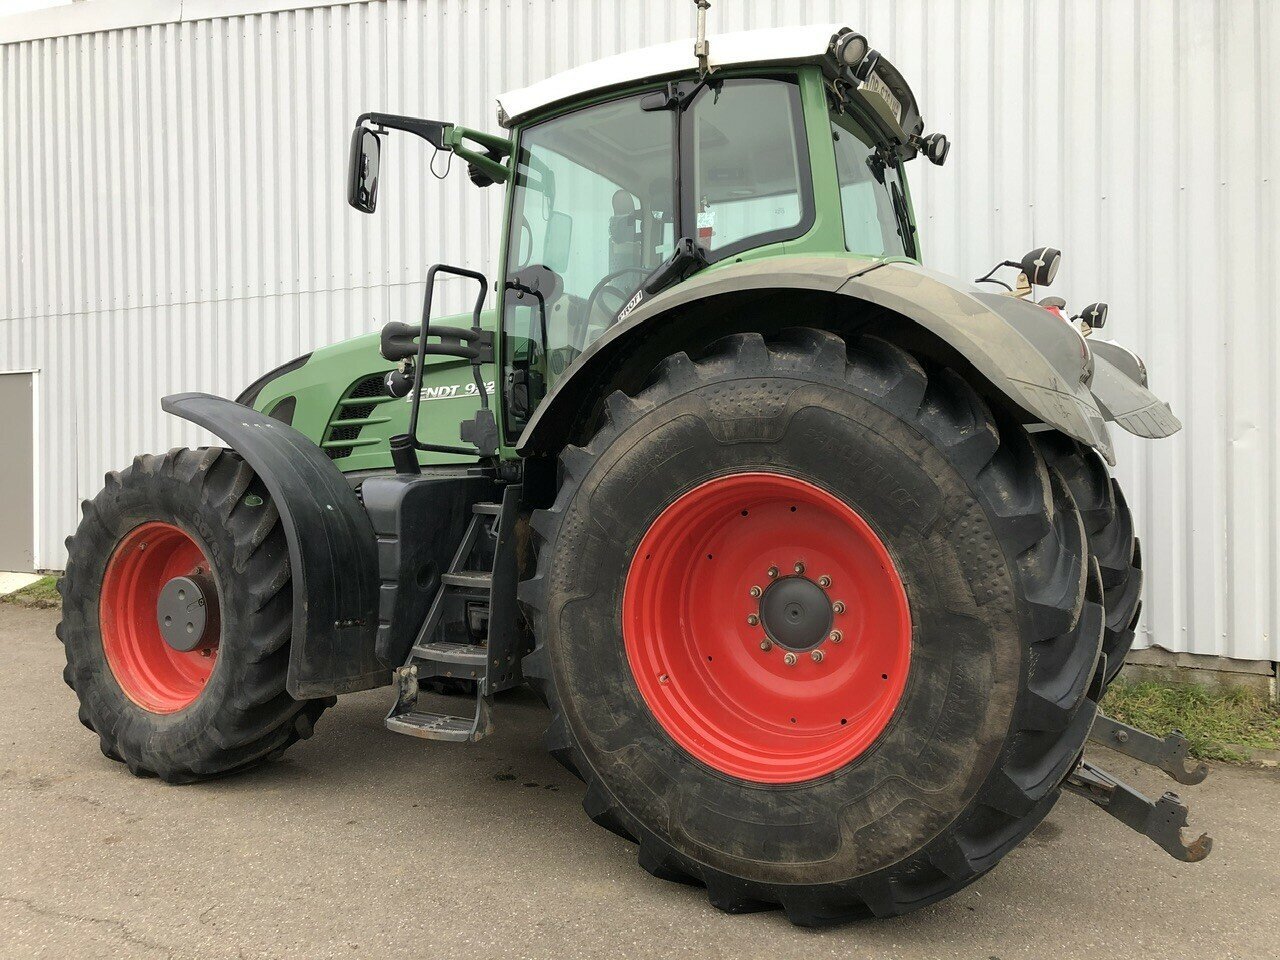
[
  {"x": 444, "y": 651},
  {"x": 433, "y": 726},
  {"x": 468, "y": 579},
  {"x": 487, "y": 509}
]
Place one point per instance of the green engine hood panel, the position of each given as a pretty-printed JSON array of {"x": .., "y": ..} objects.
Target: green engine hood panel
[{"x": 322, "y": 388}]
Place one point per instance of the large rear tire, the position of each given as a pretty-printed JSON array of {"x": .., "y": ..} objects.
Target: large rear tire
[
  {"x": 666, "y": 697},
  {"x": 1108, "y": 524},
  {"x": 197, "y": 517}
]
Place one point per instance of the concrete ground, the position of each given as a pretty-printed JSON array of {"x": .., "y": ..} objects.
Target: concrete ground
[
  {"x": 364, "y": 843},
  {"x": 9, "y": 582}
]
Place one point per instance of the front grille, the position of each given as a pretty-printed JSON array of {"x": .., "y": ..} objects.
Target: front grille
[{"x": 349, "y": 409}]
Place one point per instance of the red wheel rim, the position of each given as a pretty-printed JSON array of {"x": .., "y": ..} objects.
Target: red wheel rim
[
  {"x": 694, "y": 628},
  {"x": 152, "y": 674}
]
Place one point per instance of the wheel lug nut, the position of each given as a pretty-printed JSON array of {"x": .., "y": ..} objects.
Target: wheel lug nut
[
  {"x": 824, "y": 582},
  {"x": 838, "y": 606},
  {"x": 756, "y": 591},
  {"x": 752, "y": 619},
  {"x": 799, "y": 567},
  {"x": 836, "y": 636},
  {"x": 817, "y": 656},
  {"x": 766, "y": 645},
  {"x": 773, "y": 573},
  {"x": 789, "y": 659}
]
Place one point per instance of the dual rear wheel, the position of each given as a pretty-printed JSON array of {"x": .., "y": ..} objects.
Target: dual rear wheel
[{"x": 817, "y": 626}]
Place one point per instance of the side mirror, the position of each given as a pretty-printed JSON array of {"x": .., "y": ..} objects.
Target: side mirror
[
  {"x": 362, "y": 171},
  {"x": 1094, "y": 315},
  {"x": 1041, "y": 265}
]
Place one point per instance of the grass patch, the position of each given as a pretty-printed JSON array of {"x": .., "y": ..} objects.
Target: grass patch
[
  {"x": 43, "y": 593},
  {"x": 1216, "y": 724}
]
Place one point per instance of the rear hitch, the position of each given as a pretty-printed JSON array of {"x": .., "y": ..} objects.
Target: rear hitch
[
  {"x": 1172, "y": 754},
  {"x": 1159, "y": 820}
]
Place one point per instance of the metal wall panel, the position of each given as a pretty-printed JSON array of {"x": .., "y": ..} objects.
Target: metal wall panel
[{"x": 174, "y": 216}]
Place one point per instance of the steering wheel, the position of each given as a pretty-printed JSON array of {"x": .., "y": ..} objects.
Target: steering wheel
[{"x": 606, "y": 284}]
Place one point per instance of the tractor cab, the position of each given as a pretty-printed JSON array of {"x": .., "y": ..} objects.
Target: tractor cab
[{"x": 630, "y": 175}]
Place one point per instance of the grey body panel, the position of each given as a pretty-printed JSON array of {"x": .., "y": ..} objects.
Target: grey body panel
[
  {"x": 1122, "y": 358},
  {"x": 1026, "y": 353},
  {"x": 332, "y": 549},
  {"x": 1128, "y": 402}
]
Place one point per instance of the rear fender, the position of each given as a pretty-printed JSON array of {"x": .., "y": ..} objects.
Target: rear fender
[
  {"x": 1119, "y": 385},
  {"x": 332, "y": 551},
  {"x": 1025, "y": 353}
]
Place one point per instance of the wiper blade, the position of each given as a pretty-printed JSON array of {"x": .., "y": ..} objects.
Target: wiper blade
[{"x": 907, "y": 234}]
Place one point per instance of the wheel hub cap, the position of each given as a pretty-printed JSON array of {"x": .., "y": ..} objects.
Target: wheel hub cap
[
  {"x": 796, "y": 613},
  {"x": 183, "y": 612},
  {"x": 766, "y": 628}
]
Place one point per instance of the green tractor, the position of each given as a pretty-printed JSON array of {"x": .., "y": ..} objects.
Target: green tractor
[{"x": 813, "y": 553}]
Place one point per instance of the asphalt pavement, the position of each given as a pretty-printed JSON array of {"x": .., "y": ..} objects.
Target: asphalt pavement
[{"x": 364, "y": 843}]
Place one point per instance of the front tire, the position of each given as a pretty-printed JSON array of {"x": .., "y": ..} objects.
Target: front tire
[
  {"x": 220, "y": 705},
  {"x": 1003, "y": 629}
]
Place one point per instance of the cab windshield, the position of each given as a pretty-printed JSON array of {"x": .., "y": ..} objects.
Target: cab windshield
[{"x": 595, "y": 211}]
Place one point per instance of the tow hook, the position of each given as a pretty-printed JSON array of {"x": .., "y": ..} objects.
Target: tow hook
[{"x": 1160, "y": 820}]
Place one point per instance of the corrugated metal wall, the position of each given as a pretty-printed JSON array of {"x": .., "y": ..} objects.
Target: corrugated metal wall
[{"x": 173, "y": 217}]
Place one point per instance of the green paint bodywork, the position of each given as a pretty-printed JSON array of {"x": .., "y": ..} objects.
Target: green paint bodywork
[{"x": 321, "y": 385}]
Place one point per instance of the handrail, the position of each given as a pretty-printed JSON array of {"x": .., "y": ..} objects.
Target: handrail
[{"x": 400, "y": 446}]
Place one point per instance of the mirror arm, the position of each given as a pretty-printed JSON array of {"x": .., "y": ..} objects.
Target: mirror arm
[
  {"x": 435, "y": 132},
  {"x": 495, "y": 147}
]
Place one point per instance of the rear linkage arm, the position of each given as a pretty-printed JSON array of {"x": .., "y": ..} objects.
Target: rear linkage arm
[
  {"x": 1159, "y": 820},
  {"x": 1172, "y": 755}
]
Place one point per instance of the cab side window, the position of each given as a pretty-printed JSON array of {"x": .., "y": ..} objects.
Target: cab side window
[{"x": 750, "y": 165}]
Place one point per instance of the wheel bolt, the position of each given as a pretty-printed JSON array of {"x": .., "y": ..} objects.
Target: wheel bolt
[
  {"x": 824, "y": 582},
  {"x": 838, "y": 606},
  {"x": 663, "y": 678},
  {"x": 817, "y": 656},
  {"x": 756, "y": 591},
  {"x": 773, "y": 573},
  {"x": 766, "y": 644},
  {"x": 836, "y": 636},
  {"x": 799, "y": 567},
  {"x": 752, "y": 619},
  {"x": 789, "y": 659}
]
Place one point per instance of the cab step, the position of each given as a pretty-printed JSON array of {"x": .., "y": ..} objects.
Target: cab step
[
  {"x": 446, "y": 652},
  {"x": 405, "y": 717},
  {"x": 468, "y": 580},
  {"x": 470, "y": 600}
]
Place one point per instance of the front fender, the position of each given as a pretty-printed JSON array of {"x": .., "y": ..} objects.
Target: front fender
[
  {"x": 1024, "y": 352},
  {"x": 332, "y": 550}
]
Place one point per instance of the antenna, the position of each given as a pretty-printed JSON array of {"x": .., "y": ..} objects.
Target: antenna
[{"x": 701, "y": 48}]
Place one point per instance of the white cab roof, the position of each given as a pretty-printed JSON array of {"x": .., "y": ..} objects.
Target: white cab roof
[{"x": 780, "y": 45}]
